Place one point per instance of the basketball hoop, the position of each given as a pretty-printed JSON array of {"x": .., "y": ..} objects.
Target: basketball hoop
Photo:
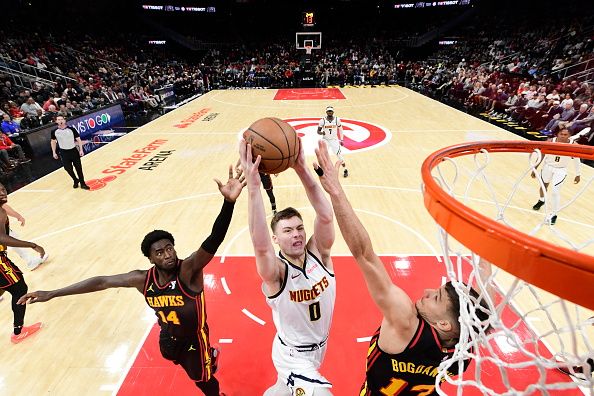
[{"x": 458, "y": 186}]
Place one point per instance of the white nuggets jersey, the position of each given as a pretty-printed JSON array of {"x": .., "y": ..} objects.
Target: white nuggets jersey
[
  {"x": 302, "y": 309},
  {"x": 557, "y": 161},
  {"x": 330, "y": 128}
]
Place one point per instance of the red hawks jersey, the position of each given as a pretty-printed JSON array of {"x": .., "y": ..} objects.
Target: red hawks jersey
[
  {"x": 180, "y": 311},
  {"x": 410, "y": 372},
  {"x": 302, "y": 309}
]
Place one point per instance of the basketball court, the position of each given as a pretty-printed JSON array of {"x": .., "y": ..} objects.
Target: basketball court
[{"x": 160, "y": 177}]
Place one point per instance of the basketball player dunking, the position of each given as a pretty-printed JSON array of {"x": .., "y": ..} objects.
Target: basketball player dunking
[
  {"x": 413, "y": 338},
  {"x": 330, "y": 128},
  {"x": 174, "y": 288},
  {"x": 299, "y": 283},
  {"x": 555, "y": 171}
]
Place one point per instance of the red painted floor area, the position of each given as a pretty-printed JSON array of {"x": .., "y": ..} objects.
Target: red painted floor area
[
  {"x": 308, "y": 94},
  {"x": 246, "y": 366}
]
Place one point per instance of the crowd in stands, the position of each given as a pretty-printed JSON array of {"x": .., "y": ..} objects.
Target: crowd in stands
[
  {"x": 84, "y": 81},
  {"x": 489, "y": 70}
]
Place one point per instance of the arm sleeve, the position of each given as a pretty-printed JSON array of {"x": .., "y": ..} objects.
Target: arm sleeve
[
  {"x": 219, "y": 228},
  {"x": 53, "y": 134},
  {"x": 74, "y": 133}
]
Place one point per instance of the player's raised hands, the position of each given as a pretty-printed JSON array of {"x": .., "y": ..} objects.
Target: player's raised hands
[
  {"x": 249, "y": 166},
  {"x": 300, "y": 164},
  {"x": 234, "y": 185},
  {"x": 327, "y": 171}
]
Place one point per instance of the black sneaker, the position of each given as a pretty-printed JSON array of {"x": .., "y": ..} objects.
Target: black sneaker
[
  {"x": 84, "y": 186},
  {"x": 538, "y": 205},
  {"x": 75, "y": 184},
  {"x": 346, "y": 173},
  {"x": 553, "y": 220}
]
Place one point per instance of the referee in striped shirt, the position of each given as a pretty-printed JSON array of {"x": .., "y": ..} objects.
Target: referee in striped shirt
[{"x": 68, "y": 140}]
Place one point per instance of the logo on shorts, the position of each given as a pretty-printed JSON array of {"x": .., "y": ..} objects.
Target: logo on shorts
[
  {"x": 358, "y": 135},
  {"x": 299, "y": 392}
]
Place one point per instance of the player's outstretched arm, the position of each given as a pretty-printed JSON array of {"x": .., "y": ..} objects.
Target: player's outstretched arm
[
  {"x": 230, "y": 192},
  {"x": 131, "y": 279},
  {"x": 395, "y": 304},
  {"x": 266, "y": 261},
  {"x": 13, "y": 213},
  {"x": 323, "y": 235},
  {"x": 7, "y": 240}
]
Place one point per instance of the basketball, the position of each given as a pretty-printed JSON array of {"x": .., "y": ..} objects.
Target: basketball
[{"x": 275, "y": 141}]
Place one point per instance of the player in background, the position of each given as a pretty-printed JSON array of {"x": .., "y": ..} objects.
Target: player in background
[
  {"x": 554, "y": 172},
  {"x": 417, "y": 336},
  {"x": 330, "y": 127},
  {"x": 11, "y": 277},
  {"x": 174, "y": 288},
  {"x": 298, "y": 283},
  {"x": 267, "y": 184}
]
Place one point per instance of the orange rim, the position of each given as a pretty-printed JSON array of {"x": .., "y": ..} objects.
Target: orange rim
[{"x": 561, "y": 271}]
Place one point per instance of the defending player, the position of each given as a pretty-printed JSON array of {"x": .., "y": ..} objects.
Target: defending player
[
  {"x": 555, "y": 171},
  {"x": 413, "y": 338},
  {"x": 11, "y": 277},
  {"x": 330, "y": 128},
  {"x": 174, "y": 288},
  {"x": 299, "y": 283}
]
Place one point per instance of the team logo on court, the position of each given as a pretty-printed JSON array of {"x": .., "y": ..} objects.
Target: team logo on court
[
  {"x": 358, "y": 135},
  {"x": 299, "y": 392}
]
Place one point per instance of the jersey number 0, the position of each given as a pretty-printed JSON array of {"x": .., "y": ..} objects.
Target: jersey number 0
[{"x": 314, "y": 311}]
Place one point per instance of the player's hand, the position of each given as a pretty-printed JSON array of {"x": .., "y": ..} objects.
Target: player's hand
[
  {"x": 248, "y": 165},
  {"x": 327, "y": 172},
  {"x": 39, "y": 250},
  {"x": 81, "y": 153},
  {"x": 55, "y": 156},
  {"x": 234, "y": 185},
  {"x": 576, "y": 180},
  {"x": 33, "y": 297},
  {"x": 21, "y": 220},
  {"x": 300, "y": 164}
]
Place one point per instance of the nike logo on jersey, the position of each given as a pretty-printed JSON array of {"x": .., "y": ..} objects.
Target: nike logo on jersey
[
  {"x": 150, "y": 288},
  {"x": 295, "y": 276},
  {"x": 191, "y": 348}
]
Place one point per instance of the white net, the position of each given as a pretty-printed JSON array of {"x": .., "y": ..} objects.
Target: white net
[{"x": 539, "y": 343}]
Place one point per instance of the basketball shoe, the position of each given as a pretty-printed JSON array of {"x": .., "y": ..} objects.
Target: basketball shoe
[
  {"x": 37, "y": 261},
  {"x": 538, "y": 205},
  {"x": 26, "y": 331}
]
